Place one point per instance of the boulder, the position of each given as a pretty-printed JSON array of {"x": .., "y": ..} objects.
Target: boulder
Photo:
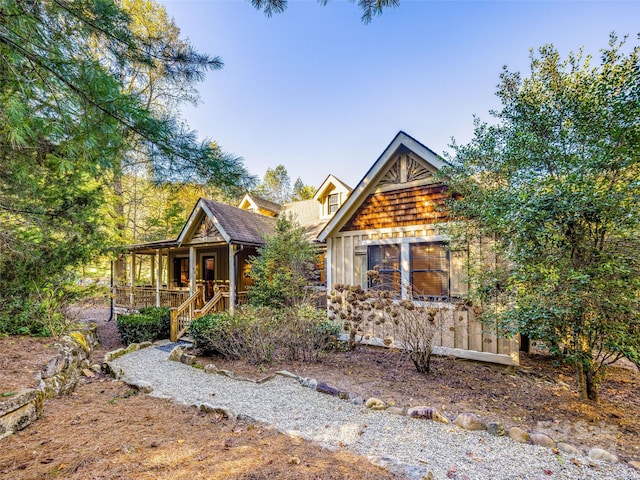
[
  {"x": 496, "y": 428},
  {"x": 322, "y": 387},
  {"x": 567, "y": 448},
  {"x": 635, "y": 464},
  {"x": 542, "y": 440},
  {"x": 176, "y": 354},
  {"x": 519, "y": 435},
  {"x": 602, "y": 455},
  {"x": 469, "y": 421},
  {"x": 375, "y": 404},
  {"x": 429, "y": 413},
  {"x": 210, "y": 368}
]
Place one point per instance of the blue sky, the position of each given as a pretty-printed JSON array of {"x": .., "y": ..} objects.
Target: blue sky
[{"x": 319, "y": 92}]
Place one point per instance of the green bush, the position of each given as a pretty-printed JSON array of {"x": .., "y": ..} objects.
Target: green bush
[
  {"x": 163, "y": 316},
  {"x": 209, "y": 333},
  {"x": 260, "y": 334},
  {"x": 150, "y": 324}
]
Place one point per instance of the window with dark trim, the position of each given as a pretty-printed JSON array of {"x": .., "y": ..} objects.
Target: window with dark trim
[
  {"x": 384, "y": 267},
  {"x": 429, "y": 271},
  {"x": 181, "y": 271}
]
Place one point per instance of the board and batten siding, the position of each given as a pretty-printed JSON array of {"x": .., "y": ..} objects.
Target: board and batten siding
[{"x": 461, "y": 334}]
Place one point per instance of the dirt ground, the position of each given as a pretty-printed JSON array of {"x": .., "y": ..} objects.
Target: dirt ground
[{"x": 106, "y": 430}]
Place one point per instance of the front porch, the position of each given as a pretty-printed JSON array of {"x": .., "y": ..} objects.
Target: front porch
[{"x": 204, "y": 270}]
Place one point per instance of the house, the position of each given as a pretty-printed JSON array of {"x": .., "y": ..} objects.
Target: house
[
  {"x": 390, "y": 235},
  {"x": 205, "y": 269}
]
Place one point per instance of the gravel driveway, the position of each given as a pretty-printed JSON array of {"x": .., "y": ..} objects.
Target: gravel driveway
[{"x": 414, "y": 448}]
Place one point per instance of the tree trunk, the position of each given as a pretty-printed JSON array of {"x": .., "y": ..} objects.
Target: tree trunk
[
  {"x": 592, "y": 386},
  {"x": 581, "y": 379}
]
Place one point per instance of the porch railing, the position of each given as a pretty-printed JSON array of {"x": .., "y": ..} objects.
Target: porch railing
[
  {"x": 141, "y": 297},
  {"x": 181, "y": 316}
]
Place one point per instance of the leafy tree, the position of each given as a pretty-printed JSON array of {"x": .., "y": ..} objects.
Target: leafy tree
[
  {"x": 302, "y": 191},
  {"x": 555, "y": 181},
  {"x": 275, "y": 186},
  {"x": 66, "y": 121},
  {"x": 284, "y": 266}
]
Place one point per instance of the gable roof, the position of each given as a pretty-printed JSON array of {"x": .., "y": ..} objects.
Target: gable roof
[
  {"x": 330, "y": 180},
  {"x": 369, "y": 181},
  {"x": 261, "y": 203},
  {"x": 236, "y": 226}
]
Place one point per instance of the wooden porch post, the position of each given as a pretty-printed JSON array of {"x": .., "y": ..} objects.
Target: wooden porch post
[
  {"x": 329, "y": 260},
  {"x": 233, "y": 277},
  {"x": 192, "y": 271},
  {"x": 158, "y": 276},
  {"x": 132, "y": 279},
  {"x": 153, "y": 268}
]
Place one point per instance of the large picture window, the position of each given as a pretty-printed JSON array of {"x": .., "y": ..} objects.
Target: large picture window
[
  {"x": 430, "y": 271},
  {"x": 384, "y": 267}
]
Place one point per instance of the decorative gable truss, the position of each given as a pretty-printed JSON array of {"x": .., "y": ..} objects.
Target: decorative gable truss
[
  {"x": 205, "y": 232},
  {"x": 406, "y": 170}
]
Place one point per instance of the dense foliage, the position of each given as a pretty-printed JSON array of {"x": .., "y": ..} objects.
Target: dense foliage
[
  {"x": 284, "y": 267},
  {"x": 68, "y": 117},
  {"x": 555, "y": 184},
  {"x": 152, "y": 323},
  {"x": 260, "y": 335}
]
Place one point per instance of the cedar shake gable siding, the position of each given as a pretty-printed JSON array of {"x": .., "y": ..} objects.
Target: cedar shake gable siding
[{"x": 400, "y": 208}]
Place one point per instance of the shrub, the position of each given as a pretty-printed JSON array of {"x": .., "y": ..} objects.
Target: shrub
[
  {"x": 209, "y": 333},
  {"x": 151, "y": 325},
  {"x": 259, "y": 334},
  {"x": 304, "y": 332},
  {"x": 163, "y": 316}
]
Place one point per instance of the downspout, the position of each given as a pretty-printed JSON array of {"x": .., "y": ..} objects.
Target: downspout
[
  {"x": 111, "y": 299},
  {"x": 235, "y": 262}
]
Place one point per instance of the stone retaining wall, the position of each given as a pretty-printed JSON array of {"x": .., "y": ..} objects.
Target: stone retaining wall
[{"x": 58, "y": 377}]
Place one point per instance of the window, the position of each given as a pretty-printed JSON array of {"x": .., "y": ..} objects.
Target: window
[
  {"x": 334, "y": 203},
  {"x": 181, "y": 271},
  {"x": 430, "y": 271},
  {"x": 384, "y": 267}
]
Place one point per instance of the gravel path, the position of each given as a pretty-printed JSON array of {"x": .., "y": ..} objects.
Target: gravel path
[{"x": 408, "y": 446}]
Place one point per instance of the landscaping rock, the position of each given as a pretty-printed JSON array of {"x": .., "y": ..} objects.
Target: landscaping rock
[
  {"x": 375, "y": 404},
  {"x": 469, "y": 421},
  {"x": 635, "y": 464},
  {"x": 210, "y": 368},
  {"x": 141, "y": 385},
  {"x": 542, "y": 440},
  {"x": 309, "y": 383},
  {"x": 357, "y": 401},
  {"x": 328, "y": 389},
  {"x": 519, "y": 435},
  {"x": 567, "y": 448},
  {"x": 176, "y": 354},
  {"x": 428, "y": 413},
  {"x": 602, "y": 455},
  {"x": 225, "y": 412},
  {"x": 285, "y": 373},
  {"x": 188, "y": 359},
  {"x": 496, "y": 428}
]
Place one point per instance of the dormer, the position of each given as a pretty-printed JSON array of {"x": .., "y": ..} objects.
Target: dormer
[
  {"x": 331, "y": 195},
  {"x": 259, "y": 205}
]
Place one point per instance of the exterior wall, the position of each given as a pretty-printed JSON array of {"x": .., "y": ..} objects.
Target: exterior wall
[
  {"x": 400, "y": 208},
  {"x": 459, "y": 332},
  {"x": 404, "y": 217}
]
